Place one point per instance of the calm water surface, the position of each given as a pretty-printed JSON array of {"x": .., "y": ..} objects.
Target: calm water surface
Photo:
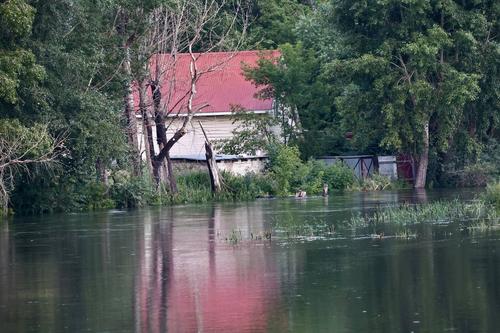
[{"x": 172, "y": 270}]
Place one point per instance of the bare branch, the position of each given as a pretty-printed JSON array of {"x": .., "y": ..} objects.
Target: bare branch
[{"x": 20, "y": 151}]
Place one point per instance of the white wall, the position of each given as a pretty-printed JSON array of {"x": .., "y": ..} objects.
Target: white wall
[{"x": 216, "y": 127}]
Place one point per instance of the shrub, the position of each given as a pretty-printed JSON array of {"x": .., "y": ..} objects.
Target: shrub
[
  {"x": 286, "y": 168},
  {"x": 339, "y": 176},
  {"x": 130, "y": 192},
  {"x": 290, "y": 174},
  {"x": 192, "y": 187},
  {"x": 195, "y": 187},
  {"x": 375, "y": 182},
  {"x": 95, "y": 196},
  {"x": 313, "y": 177}
]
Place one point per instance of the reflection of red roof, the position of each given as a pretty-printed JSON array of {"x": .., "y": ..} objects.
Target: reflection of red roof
[{"x": 222, "y": 86}]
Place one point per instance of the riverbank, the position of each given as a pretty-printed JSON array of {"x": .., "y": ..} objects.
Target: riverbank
[{"x": 285, "y": 174}]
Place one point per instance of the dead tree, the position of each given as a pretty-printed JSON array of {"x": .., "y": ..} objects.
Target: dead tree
[
  {"x": 213, "y": 170},
  {"x": 177, "y": 29}
]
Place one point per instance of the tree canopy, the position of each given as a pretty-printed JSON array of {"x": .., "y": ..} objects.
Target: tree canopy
[
  {"x": 418, "y": 78},
  {"x": 402, "y": 77}
]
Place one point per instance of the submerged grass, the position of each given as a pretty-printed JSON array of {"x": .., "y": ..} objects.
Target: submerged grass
[
  {"x": 399, "y": 221},
  {"x": 294, "y": 228}
]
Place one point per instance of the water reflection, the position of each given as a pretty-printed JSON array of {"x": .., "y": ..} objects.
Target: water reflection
[
  {"x": 171, "y": 270},
  {"x": 192, "y": 282},
  {"x": 152, "y": 275}
]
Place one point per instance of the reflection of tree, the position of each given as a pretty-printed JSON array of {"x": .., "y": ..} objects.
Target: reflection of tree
[
  {"x": 4, "y": 260},
  {"x": 60, "y": 275},
  {"x": 420, "y": 196},
  {"x": 211, "y": 240},
  {"x": 154, "y": 250}
]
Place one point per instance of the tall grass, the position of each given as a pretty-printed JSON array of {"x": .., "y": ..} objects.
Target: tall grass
[
  {"x": 492, "y": 195},
  {"x": 392, "y": 221},
  {"x": 470, "y": 214},
  {"x": 194, "y": 187}
]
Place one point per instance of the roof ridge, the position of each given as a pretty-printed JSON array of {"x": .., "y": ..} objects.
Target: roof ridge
[{"x": 226, "y": 52}]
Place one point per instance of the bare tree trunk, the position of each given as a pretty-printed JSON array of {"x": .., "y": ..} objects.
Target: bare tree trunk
[
  {"x": 157, "y": 172},
  {"x": 212, "y": 168},
  {"x": 130, "y": 116},
  {"x": 161, "y": 172},
  {"x": 423, "y": 160},
  {"x": 325, "y": 190},
  {"x": 4, "y": 193}
]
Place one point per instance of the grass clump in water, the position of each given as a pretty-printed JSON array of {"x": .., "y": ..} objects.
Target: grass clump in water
[
  {"x": 470, "y": 214},
  {"x": 292, "y": 228}
]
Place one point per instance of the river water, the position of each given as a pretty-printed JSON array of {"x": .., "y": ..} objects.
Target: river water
[{"x": 210, "y": 268}]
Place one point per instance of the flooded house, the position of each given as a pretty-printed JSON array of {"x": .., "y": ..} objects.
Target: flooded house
[{"x": 221, "y": 88}]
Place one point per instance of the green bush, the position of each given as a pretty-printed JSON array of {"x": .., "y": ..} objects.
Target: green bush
[
  {"x": 246, "y": 187},
  {"x": 339, "y": 176},
  {"x": 95, "y": 196},
  {"x": 313, "y": 177},
  {"x": 286, "y": 168},
  {"x": 130, "y": 192},
  {"x": 375, "y": 182},
  {"x": 290, "y": 174},
  {"x": 195, "y": 187},
  {"x": 192, "y": 187}
]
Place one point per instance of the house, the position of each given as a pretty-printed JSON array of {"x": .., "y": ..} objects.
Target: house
[{"x": 221, "y": 86}]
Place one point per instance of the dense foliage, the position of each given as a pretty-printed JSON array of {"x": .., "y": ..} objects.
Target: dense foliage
[{"x": 419, "y": 78}]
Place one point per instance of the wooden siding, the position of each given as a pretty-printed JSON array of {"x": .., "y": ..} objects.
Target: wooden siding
[{"x": 216, "y": 127}]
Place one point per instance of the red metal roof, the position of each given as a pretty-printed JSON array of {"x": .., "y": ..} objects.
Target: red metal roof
[{"x": 222, "y": 85}]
